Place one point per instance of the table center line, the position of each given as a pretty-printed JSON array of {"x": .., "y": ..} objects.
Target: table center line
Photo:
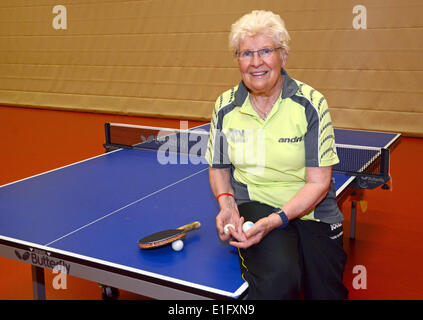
[{"x": 126, "y": 206}]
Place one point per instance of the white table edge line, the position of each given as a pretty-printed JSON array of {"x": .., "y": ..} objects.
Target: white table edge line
[
  {"x": 59, "y": 168},
  {"x": 126, "y": 268}
]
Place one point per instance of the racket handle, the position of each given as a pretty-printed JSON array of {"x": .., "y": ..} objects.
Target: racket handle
[{"x": 190, "y": 226}]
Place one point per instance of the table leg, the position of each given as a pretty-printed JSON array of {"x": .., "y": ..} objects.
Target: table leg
[{"x": 38, "y": 284}]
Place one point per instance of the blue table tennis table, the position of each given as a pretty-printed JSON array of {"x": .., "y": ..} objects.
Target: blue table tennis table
[{"x": 88, "y": 216}]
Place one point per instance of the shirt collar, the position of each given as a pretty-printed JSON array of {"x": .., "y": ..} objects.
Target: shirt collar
[{"x": 289, "y": 89}]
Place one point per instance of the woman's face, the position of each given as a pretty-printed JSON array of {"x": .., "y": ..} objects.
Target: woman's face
[{"x": 261, "y": 75}]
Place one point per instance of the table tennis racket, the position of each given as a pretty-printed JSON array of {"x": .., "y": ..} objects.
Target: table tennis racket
[{"x": 165, "y": 237}]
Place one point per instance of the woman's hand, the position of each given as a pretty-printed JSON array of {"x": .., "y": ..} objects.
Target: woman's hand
[
  {"x": 228, "y": 214},
  {"x": 256, "y": 233},
  {"x": 220, "y": 183}
]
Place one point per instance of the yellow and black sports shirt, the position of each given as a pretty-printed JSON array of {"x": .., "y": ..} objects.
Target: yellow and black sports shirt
[{"x": 268, "y": 158}]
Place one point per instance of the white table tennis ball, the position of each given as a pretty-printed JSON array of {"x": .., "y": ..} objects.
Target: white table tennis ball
[
  {"x": 247, "y": 225},
  {"x": 226, "y": 228},
  {"x": 177, "y": 245}
]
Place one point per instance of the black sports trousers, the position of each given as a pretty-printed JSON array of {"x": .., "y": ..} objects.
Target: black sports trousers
[{"x": 305, "y": 258}]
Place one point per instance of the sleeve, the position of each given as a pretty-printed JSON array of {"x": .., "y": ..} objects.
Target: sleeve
[
  {"x": 320, "y": 137},
  {"x": 217, "y": 146}
]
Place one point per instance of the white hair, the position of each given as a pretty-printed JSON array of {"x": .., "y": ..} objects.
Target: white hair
[{"x": 260, "y": 22}]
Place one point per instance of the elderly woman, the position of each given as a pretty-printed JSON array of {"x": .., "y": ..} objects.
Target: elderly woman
[{"x": 271, "y": 152}]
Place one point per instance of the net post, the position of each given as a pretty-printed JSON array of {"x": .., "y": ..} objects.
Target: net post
[
  {"x": 384, "y": 166},
  {"x": 384, "y": 162},
  {"x": 107, "y": 132},
  {"x": 106, "y": 144}
]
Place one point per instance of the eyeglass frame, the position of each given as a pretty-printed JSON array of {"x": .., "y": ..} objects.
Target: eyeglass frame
[{"x": 237, "y": 54}]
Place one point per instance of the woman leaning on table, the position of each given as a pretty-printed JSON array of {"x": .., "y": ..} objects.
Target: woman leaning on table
[{"x": 272, "y": 146}]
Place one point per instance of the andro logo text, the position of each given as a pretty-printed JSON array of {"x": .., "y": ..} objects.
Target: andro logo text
[{"x": 290, "y": 140}]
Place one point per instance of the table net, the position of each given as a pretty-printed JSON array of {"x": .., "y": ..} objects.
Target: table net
[
  {"x": 192, "y": 141},
  {"x": 369, "y": 164}
]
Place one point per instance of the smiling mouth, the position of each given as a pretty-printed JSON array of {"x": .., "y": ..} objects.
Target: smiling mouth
[{"x": 258, "y": 74}]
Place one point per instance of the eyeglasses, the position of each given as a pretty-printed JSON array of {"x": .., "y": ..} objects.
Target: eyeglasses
[{"x": 262, "y": 53}]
